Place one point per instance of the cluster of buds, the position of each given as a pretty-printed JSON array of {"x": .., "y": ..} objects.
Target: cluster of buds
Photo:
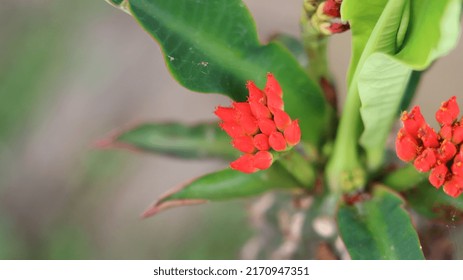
[
  {"x": 259, "y": 126},
  {"x": 441, "y": 153},
  {"x": 326, "y": 16}
]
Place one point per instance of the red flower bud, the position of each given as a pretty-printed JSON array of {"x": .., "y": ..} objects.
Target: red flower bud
[
  {"x": 253, "y": 126},
  {"x": 429, "y": 137},
  {"x": 337, "y": 27},
  {"x": 263, "y": 160},
  {"x": 261, "y": 142},
  {"x": 274, "y": 102},
  {"x": 446, "y": 132},
  {"x": 249, "y": 124},
  {"x": 413, "y": 121},
  {"x": 267, "y": 126},
  {"x": 446, "y": 151},
  {"x": 272, "y": 87},
  {"x": 406, "y": 146},
  {"x": 242, "y": 107},
  {"x": 244, "y": 144},
  {"x": 332, "y": 8},
  {"x": 425, "y": 161},
  {"x": 245, "y": 164},
  {"x": 226, "y": 114},
  {"x": 457, "y": 136},
  {"x": 293, "y": 133},
  {"x": 255, "y": 94},
  {"x": 281, "y": 118},
  {"x": 448, "y": 112},
  {"x": 438, "y": 175},
  {"x": 457, "y": 166},
  {"x": 233, "y": 129},
  {"x": 259, "y": 110},
  {"x": 277, "y": 141},
  {"x": 454, "y": 186}
]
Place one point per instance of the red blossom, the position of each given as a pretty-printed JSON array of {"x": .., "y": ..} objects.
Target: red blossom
[
  {"x": 413, "y": 121},
  {"x": 438, "y": 175},
  {"x": 293, "y": 133},
  {"x": 406, "y": 146},
  {"x": 259, "y": 126},
  {"x": 245, "y": 164},
  {"x": 441, "y": 153},
  {"x": 448, "y": 112},
  {"x": 332, "y": 8}
]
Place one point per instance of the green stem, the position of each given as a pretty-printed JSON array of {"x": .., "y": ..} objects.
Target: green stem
[{"x": 298, "y": 166}]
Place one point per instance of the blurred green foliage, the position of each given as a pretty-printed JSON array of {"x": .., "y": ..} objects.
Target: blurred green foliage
[{"x": 38, "y": 40}]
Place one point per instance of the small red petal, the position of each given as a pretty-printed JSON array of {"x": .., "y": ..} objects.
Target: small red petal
[
  {"x": 274, "y": 102},
  {"x": 448, "y": 112},
  {"x": 293, "y": 133},
  {"x": 255, "y": 94},
  {"x": 245, "y": 164},
  {"x": 260, "y": 111},
  {"x": 261, "y": 142},
  {"x": 244, "y": 144},
  {"x": 263, "y": 160},
  {"x": 242, "y": 107},
  {"x": 249, "y": 124},
  {"x": 406, "y": 146},
  {"x": 267, "y": 126},
  {"x": 332, "y": 8},
  {"x": 457, "y": 135},
  {"x": 454, "y": 186},
  {"x": 446, "y": 151},
  {"x": 233, "y": 129},
  {"x": 281, "y": 118},
  {"x": 428, "y": 136},
  {"x": 413, "y": 121},
  {"x": 438, "y": 175},
  {"x": 425, "y": 161},
  {"x": 277, "y": 141},
  {"x": 272, "y": 87},
  {"x": 226, "y": 114},
  {"x": 446, "y": 132},
  {"x": 337, "y": 27},
  {"x": 457, "y": 166}
]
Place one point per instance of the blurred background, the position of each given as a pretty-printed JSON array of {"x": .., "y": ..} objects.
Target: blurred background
[{"x": 73, "y": 71}]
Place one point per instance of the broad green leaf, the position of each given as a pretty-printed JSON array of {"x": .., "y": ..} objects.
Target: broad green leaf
[
  {"x": 178, "y": 140},
  {"x": 434, "y": 203},
  {"x": 295, "y": 46},
  {"x": 404, "y": 179},
  {"x": 379, "y": 229},
  {"x": 222, "y": 185},
  {"x": 390, "y": 40},
  {"x": 211, "y": 46}
]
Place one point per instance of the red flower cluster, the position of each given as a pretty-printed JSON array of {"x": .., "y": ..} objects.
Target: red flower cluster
[
  {"x": 259, "y": 125},
  {"x": 441, "y": 153},
  {"x": 332, "y": 9}
]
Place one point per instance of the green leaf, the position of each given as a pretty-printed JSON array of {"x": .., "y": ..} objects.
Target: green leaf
[
  {"x": 222, "y": 185},
  {"x": 435, "y": 204},
  {"x": 177, "y": 140},
  {"x": 294, "y": 46},
  {"x": 211, "y": 46},
  {"x": 404, "y": 178},
  {"x": 379, "y": 229},
  {"x": 390, "y": 40}
]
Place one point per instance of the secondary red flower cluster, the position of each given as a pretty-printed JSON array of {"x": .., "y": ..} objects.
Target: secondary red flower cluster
[
  {"x": 441, "y": 153},
  {"x": 259, "y": 126}
]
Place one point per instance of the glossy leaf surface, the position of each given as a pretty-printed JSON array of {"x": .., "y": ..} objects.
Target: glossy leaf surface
[{"x": 379, "y": 229}]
